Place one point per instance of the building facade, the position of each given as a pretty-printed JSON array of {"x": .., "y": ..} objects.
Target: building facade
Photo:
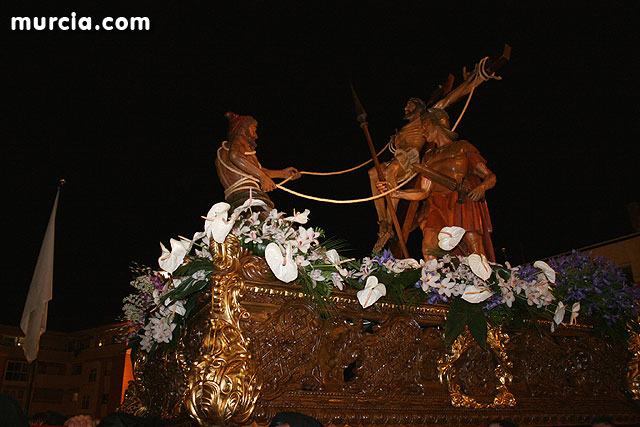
[{"x": 80, "y": 372}]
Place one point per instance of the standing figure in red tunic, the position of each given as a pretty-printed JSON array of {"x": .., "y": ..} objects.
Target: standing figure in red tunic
[{"x": 460, "y": 162}]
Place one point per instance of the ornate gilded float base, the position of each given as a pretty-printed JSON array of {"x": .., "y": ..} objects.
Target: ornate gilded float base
[
  {"x": 633, "y": 366},
  {"x": 255, "y": 347},
  {"x": 447, "y": 372}
]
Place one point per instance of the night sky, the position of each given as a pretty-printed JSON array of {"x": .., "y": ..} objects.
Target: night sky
[{"x": 132, "y": 120}]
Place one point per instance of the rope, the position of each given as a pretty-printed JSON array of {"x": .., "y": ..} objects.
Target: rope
[
  {"x": 341, "y": 202},
  {"x": 301, "y": 172},
  {"x": 463, "y": 110},
  {"x": 345, "y": 170},
  {"x": 481, "y": 73}
]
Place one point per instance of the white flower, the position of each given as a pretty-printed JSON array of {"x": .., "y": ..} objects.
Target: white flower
[
  {"x": 558, "y": 316},
  {"x": 282, "y": 266},
  {"x": 401, "y": 265},
  {"x": 170, "y": 261},
  {"x": 480, "y": 266},
  {"x": 428, "y": 280},
  {"x": 316, "y": 276},
  {"x": 432, "y": 264},
  {"x": 475, "y": 294},
  {"x": 300, "y": 217},
  {"x": 337, "y": 281},
  {"x": 199, "y": 275},
  {"x": 301, "y": 261},
  {"x": 334, "y": 259},
  {"x": 546, "y": 269},
  {"x": 145, "y": 342},
  {"x": 449, "y": 237},
  {"x": 176, "y": 308},
  {"x": 161, "y": 330},
  {"x": 372, "y": 292},
  {"x": 305, "y": 238},
  {"x": 216, "y": 224},
  {"x": 250, "y": 202},
  {"x": 575, "y": 310},
  {"x": 253, "y": 237}
]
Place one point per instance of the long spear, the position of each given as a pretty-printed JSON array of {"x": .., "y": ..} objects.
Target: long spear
[{"x": 362, "y": 119}]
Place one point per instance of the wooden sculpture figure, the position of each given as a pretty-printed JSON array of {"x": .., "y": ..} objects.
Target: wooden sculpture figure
[
  {"x": 406, "y": 146},
  {"x": 454, "y": 179},
  {"x": 408, "y": 143},
  {"x": 239, "y": 170}
]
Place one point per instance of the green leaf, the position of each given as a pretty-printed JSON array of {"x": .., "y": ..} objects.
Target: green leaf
[
  {"x": 456, "y": 321},
  {"x": 477, "y": 323}
]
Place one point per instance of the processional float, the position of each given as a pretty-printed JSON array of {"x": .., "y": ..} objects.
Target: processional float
[{"x": 254, "y": 316}]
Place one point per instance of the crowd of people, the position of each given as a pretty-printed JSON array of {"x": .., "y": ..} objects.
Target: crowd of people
[{"x": 12, "y": 415}]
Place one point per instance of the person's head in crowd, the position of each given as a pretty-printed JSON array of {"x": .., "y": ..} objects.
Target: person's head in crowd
[
  {"x": 11, "y": 413},
  {"x": 602, "y": 421},
  {"x": 49, "y": 418},
  {"x": 502, "y": 423},
  {"x": 294, "y": 419}
]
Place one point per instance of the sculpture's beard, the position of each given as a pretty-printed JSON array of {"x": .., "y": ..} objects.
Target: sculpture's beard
[
  {"x": 252, "y": 139},
  {"x": 410, "y": 115}
]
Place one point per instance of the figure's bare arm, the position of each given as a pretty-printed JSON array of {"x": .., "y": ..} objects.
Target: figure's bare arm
[
  {"x": 420, "y": 193},
  {"x": 489, "y": 180},
  {"x": 282, "y": 173}
]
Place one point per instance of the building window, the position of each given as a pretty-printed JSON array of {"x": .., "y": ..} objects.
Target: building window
[
  {"x": 75, "y": 396},
  {"x": 92, "y": 375},
  {"x": 105, "y": 399},
  {"x": 49, "y": 368},
  {"x": 17, "y": 371},
  {"x": 106, "y": 369},
  {"x": 17, "y": 393},
  {"x": 76, "y": 369},
  {"x": 11, "y": 341},
  {"x": 52, "y": 395},
  {"x": 85, "y": 401}
]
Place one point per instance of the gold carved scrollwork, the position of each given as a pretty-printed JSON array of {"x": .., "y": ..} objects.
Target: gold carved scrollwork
[
  {"x": 496, "y": 341},
  {"x": 633, "y": 365},
  {"x": 224, "y": 382},
  {"x": 133, "y": 396}
]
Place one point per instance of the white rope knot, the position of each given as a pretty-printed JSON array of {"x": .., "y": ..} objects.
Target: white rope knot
[{"x": 481, "y": 71}]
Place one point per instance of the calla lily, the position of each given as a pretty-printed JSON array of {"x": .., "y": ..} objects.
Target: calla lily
[
  {"x": 558, "y": 317},
  {"x": 449, "y": 237},
  {"x": 372, "y": 292},
  {"x": 575, "y": 310},
  {"x": 475, "y": 295},
  {"x": 216, "y": 224},
  {"x": 480, "y": 266},
  {"x": 250, "y": 202},
  {"x": 170, "y": 261},
  {"x": 546, "y": 269},
  {"x": 282, "y": 266},
  {"x": 299, "y": 217},
  {"x": 334, "y": 259}
]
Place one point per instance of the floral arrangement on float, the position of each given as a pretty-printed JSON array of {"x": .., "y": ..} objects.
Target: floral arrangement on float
[{"x": 478, "y": 292}]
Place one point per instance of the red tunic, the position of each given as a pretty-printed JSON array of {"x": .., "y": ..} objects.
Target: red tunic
[{"x": 441, "y": 209}]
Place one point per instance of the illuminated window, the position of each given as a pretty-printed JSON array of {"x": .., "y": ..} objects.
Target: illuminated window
[{"x": 75, "y": 397}]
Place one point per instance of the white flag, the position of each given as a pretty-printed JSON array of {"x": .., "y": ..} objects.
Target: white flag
[{"x": 34, "y": 316}]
